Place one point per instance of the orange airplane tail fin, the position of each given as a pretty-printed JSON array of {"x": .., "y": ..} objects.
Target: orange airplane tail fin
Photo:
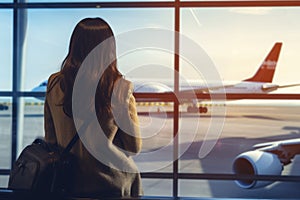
[{"x": 266, "y": 70}]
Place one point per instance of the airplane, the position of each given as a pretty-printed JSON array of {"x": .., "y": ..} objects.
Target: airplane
[
  {"x": 259, "y": 83},
  {"x": 266, "y": 159}
]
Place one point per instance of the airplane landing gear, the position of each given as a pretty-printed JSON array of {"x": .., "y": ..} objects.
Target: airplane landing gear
[
  {"x": 195, "y": 109},
  {"x": 192, "y": 109},
  {"x": 203, "y": 109}
]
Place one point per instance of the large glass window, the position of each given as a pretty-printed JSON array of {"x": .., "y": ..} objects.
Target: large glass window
[
  {"x": 6, "y": 41},
  {"x": 49, "y": 33},
  {"x": 157, "y": 187},
  {"x": 157, "y": 134},
  {"x": 3, "y": 181},
  {"x": 191, "y": 138},
  {"x": 33, "y": 121},
  {"x": 5, "y": 132},
  {"x": 239, "y": 39}
]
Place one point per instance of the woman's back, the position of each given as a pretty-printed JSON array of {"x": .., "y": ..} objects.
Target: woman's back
[{"x": 91, "y": 175}]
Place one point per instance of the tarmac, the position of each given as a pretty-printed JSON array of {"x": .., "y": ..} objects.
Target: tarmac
[{"x": 207, "y": 143}]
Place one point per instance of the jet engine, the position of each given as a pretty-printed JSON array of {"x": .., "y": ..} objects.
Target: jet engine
[
  {"x": 269, "y": 87},
  {"x": 256, "y": 163}
]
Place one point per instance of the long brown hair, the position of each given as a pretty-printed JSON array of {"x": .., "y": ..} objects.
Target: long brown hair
[{"x": 87, "y": 34}]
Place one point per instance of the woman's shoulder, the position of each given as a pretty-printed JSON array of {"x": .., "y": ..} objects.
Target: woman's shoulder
[
  {"x": 54, "y": 76},
  {"x": 125, "y": 84},
  {"x": 53, "y": 80},
  {"x": 123, "y": 89}
]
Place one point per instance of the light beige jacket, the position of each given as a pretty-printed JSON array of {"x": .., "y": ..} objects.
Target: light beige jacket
[{"x": 91, "y": 175}]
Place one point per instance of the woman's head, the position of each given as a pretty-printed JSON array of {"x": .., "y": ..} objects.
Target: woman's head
[{"x": 87, "y": 34}]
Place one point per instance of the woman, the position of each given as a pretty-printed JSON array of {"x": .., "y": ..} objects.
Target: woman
[{"x": 93, "y": 176}]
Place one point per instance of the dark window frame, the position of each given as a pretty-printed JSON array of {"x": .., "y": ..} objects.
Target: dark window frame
[{"x": 16, "y": 94}]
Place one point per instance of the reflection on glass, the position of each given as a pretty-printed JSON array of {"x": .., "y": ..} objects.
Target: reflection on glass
[
  {"x": 5, "y": 132},
  {"x": 6, "y": 49},
  {"x": 146, "y": 67},
  {"x": 199, "y": 134},
  {"x": 239, "y": 39},
  {"x": 245, "y": 125},
  {"x": 156, "y": 125}
]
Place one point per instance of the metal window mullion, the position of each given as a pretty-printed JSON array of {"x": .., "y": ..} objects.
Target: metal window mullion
[
  {"x": 239, "y": 3},
  {"x": 19, "y": 31},
  {"x": 4, "y": 172},
  {"x": 141, "y": 4},
  {"x": 15, "y": 105},
  {"x": 223, "y": 177},
  {"x": 176, "y": 103}
]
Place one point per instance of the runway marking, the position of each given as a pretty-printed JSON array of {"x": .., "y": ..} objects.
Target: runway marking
[
  {"x": 170, "y": 104},
  {"x": 138, "y": 104}
]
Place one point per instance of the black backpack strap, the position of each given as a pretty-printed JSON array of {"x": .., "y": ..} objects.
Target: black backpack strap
[
  {"x": 75, "y": 138},
  {"x": 71, "y": 144}
]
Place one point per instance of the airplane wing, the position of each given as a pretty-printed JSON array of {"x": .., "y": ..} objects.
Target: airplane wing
[
  {"x": 261, "y": 88},
  {"x": 284, "y": 149},
  {"x": 266, "y": 159},
  {"x": 286, "y": 86},
  {"x": 272, "y": 87}
]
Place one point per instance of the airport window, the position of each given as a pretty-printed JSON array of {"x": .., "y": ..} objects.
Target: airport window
[
  {"x": 5, "y": 134},
  {"x": 3, "y": 181},
  {"x": 222, "y": 29},
  {"x": 190, "y": 144},
  {"x": 33, "y": 113},
  {"x": 232, "y": 27},
  {"x": 53, "y": 37},
  {"x": 6, "y": 41},
  {"x": 159, "y": 187}
]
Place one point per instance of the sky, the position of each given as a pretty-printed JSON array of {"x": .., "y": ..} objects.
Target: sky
[{"x": 236, "y": 40}]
